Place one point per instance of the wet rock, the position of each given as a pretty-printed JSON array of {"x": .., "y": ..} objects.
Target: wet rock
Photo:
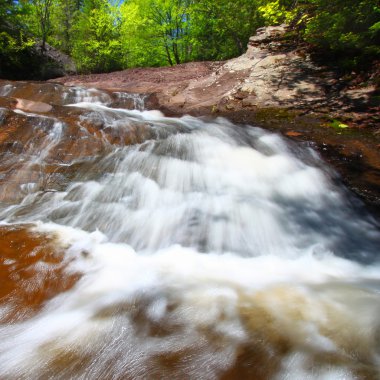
[
  {"x": 31, "y": 106},
  {"x": 275, "y": 84},
  {"x": 32, "y": 271}
]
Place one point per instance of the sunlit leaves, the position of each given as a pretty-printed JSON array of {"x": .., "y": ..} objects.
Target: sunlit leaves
[
  {"x": 275, "y": 12},
  {"x": 97, "y": 45},
  {"x": 104, "y": 35}
]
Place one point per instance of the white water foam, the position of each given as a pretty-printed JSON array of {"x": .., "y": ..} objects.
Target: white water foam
[
  {"x": 201, "y": 242},
  {"x": 78, "y": 94}
]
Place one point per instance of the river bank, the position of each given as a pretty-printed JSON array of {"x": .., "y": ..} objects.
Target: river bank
[{"x": 275, "y": 85}]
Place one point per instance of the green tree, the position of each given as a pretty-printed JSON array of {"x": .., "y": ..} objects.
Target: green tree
[
  {"x": 345, "y": 32},
  {"x": 221, "y": 29},
  {"x": 139, "y": 37},
  {"x": 105, "y": 35},
  {"x": 184, "y": 30},
  {"x": 15, "y": 43},
  {"x": 42, "y": 12},
  {"x": 64, "y": 16},
  {"x": 278, "y": 11},
  {"x": 345, "y": 26},
  {"x": 97, "y": 45},
  {"x": 171, "y": 21},
  {"x": 158, "y": 30}
]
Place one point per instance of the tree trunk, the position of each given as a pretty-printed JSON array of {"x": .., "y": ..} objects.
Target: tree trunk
[
  {"x": 175, "y": 52},
  {"x": 168, "y": 55}
]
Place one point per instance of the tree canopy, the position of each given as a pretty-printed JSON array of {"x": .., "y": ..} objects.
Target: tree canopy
[{"x": 105, "y": 35}]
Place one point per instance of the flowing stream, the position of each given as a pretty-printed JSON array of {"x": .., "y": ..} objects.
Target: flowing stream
[{"x": 136, "y": 246}]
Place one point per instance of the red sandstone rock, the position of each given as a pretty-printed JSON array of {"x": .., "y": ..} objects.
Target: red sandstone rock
[{"x": 31, "y": 106}]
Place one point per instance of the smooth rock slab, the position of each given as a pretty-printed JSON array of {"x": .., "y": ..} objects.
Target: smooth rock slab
[{"x": 31, "y": 106}]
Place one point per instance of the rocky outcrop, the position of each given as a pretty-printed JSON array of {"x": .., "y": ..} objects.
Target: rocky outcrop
[
  {"x": 275, "y": 72},
  {"x": 53, "y": 63},
  {"x": 63, "y": 62},
  {"x": 35, "y": 63},
  {"x": 275, "y": 84},
  {"x": 277, "y": 75}
]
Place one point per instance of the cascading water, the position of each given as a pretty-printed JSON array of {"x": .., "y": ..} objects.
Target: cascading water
[{"x": 185, "y": 249}]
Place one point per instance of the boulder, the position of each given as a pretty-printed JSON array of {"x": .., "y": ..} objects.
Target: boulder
[{"x": 268, "y": 34}]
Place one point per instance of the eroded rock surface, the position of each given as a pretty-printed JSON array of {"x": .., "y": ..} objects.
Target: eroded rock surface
[
  {"x": 274, "y": 72},
  {"x": 275, "y": 84}
]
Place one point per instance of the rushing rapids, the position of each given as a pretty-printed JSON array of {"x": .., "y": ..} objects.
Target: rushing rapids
[{"x": 136, "y": 246}]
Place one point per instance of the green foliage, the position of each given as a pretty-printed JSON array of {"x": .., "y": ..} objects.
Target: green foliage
[
  {"x": 105, "y": 35},
  {"x": 276, "y": 12},
  {"x": 221, "y": 29},
  {"x": 174, "y": 31},
  {"x": 348, "y": 29},
  {"x": 42, "y": 12},
  {"x": 156, "y": 31},
  {"x": 345, "y": 32},
  {"x": 97, "y": 45},
  {"x": 338, "y": 125},
  {"x": 64, "y": 17},
  {"x": 15, "y": 44},
  {"x": 141, "y": 41}
]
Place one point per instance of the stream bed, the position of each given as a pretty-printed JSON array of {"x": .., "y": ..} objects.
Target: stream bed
[{"x": 137, "y": 246}]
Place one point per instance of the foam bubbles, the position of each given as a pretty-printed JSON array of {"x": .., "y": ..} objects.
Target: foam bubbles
[{"x": 205, "y": 250}]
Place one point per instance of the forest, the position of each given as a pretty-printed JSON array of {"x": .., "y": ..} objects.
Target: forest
[{"x": 108, "y": 35}]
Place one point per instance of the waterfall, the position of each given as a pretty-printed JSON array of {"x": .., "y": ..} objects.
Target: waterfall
[{"x": 182, "y": 248}]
